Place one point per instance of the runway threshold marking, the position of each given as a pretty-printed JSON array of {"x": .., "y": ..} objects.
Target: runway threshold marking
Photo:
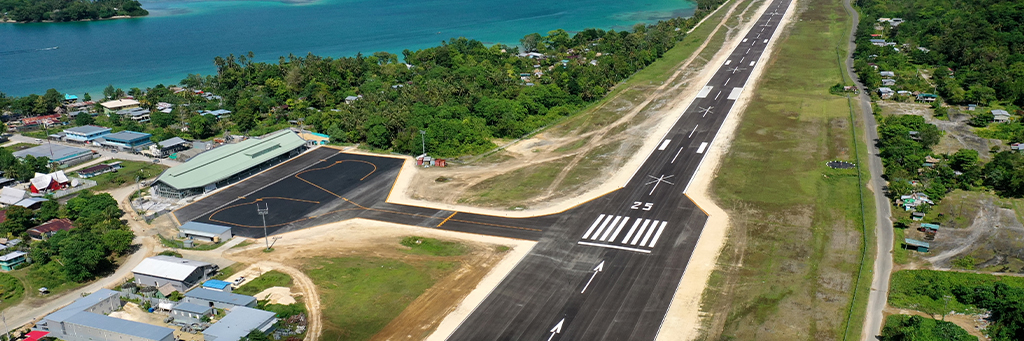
[
  {"x": 446, "y": 219},
  {"x": 606, "y": 228}
]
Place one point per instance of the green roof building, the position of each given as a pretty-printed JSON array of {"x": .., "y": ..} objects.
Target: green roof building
[{"x": 228, "y": 164}]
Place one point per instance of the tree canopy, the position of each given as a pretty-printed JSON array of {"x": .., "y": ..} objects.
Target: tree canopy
[{"x": 69, "y": 10}]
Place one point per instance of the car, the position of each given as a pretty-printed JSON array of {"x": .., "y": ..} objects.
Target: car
[
  {"x": 39, "y": 140},
  {"x": 239, "y": 280}
]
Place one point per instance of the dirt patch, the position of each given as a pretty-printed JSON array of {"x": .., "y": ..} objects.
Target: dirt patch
[
  {"x": 958, "y": 135},
  {"x": 994, "y": 238},
  {"x": 366, "y": 238}
]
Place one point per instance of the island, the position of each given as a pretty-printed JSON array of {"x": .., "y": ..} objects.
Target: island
[{"x": 74, "y": 10}]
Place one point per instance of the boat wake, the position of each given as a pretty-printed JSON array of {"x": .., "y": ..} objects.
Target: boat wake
[{"x": 13, "y": 52}]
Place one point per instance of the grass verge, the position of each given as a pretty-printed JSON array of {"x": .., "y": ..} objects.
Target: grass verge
[
  {"x": 512, "y": 188},
  {"x": 797, "y": 243},
  {"x": 360, "y": 295},
  {"x": 11, "y": 291},
  {"x": 433, "y": 247},
  {"x": 224, "y": 273},
  {"x": 127, "y": 174},
  {"x": 272, "y": 278}
]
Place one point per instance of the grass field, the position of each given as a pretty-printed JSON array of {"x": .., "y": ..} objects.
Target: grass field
[
  {"x": 796, "y": 244},
  {"x": 433, "y": 247},
  {"x": 19, "y": 146},
  {"x": 11, "y": 291},
  {"x": 513, "y": 187},
  {"x": 272, "y": 278},
  {"x": 360, "y": 295},
  {"x": 126, "y": 175},
  {"x": 224, "y": 273}
]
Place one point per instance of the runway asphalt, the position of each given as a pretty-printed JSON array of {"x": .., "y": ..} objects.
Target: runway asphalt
[{"x": 605, "y": 270}]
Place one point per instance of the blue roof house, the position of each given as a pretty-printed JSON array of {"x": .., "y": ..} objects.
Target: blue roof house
[
  {"x": 11, "y": 260},
  {"x": 128, "y": 139}
]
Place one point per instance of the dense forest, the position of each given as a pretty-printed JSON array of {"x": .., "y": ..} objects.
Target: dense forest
[
  {"x": 916, "y": 328},
  {"x": 974, "y": 49},
  {"x": 69, "y": 10},
  {"x": 928, "y": 291}
]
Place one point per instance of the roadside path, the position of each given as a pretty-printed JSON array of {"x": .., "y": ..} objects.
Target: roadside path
[{"x": 883, "y": 226}]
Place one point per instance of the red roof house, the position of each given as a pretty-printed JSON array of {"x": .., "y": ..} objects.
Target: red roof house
[
  {"x": 40, "y": 119},
  {"x": 49, "y": 182},
  {"x": 47, "y": 229}
]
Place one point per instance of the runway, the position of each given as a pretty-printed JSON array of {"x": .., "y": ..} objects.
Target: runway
[{"x": 604, "y": 270}]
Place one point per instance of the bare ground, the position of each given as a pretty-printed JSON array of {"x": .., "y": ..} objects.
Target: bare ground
[{"x": 958, "y": 135}]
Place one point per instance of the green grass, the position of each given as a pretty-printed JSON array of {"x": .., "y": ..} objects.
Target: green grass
[
  {"x": 243, "y": 244},
  {"x": 590, "y": 167},
  {"x": 512, "y": 188},
  {"x": 11, "y": 291},
  {"x": 433, "y": 247},
  {"x": 178, "y": 244},
  {"x": 171, "y": 253},
  {"x": 126, "y": 176},
  {"x": 272, "y": 278},
  {"x": 924, "y": 290},
  {"x": 362, "y": 295},
  {"x": 19, "y": 146},
  {"x": 800, "y": 230},
  {"x": 899, "y": 254},
  {"x": 905, "y": 327}
]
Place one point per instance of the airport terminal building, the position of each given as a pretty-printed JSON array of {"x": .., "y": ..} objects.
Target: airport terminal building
[{"x": 228, "y": 164}]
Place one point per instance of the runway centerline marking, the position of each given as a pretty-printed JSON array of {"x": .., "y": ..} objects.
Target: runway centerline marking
[
  {"x": 446, "y": 219},
  {"x": 691, "y": 133},
  {"x": 677, "y": 153}
]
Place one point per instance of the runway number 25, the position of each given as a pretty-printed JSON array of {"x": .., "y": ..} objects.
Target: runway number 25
[{"x": 646, "y": 206}]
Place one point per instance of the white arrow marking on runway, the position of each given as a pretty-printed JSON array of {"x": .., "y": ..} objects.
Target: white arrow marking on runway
[
  {"x": 598, "y": 268},
  {"x": 694, "y": 129},
  {"x": 557, "y": 329}
]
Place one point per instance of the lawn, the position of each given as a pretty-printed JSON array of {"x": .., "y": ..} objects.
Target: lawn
[
  {"x": 126, "y": 175},
  {"x": 224, "y": 273},
  {"x": 795, "y": 255},
  {"x": 361, "y": 295},
  {"x": 269, "y": 279},
  {"x": 433, "y": 247},
  {"x": 19, "y": 146}
]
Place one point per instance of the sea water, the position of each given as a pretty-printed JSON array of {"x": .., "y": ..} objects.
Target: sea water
[{"x": 182, "y": 37}]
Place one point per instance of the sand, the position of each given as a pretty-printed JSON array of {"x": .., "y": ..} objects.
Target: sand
[
  {"x": 277, "y": 295},
  {"x": 683, "y": 320}
]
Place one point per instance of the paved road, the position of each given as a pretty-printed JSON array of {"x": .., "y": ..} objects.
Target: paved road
[
  {"x": 610, "y": 270},
  {"x": 883, "y": 226}
]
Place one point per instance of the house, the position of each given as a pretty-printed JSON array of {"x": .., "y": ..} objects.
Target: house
[
  {"x": 999, "y": 115},
  {"x": 190, "y": 313},
  {"x": 69, "y": 98},
  {"x": 49, "y": 182},
  {"x": 218, "y": 299},
  {"x": 204, "y": 232},
  {"x": 912, "y": 201},
  {"x": 917, "y": 216},
  {"x": 352, "y": 99},
  {"x": 86, "y": 320},
  {"x": 46, "y": 120},
  {"x": 887, "y": 74},
  {"x": 216, "y": 284},
  {"x": 888, "y": 82},
  {"x": 169, "y": 146},
  {"x": 47, "y": 229},
  {"x": 895, "y": 22},
  {"x": 10, "y": 195},
  {"x": 972, "y": 107},
  {"x": 927, "y": 97},
  {"x": 179, "y": 272},
  {"x": 121, "y": 104},
  {"x": 885, "y": 93},
  {"x": 219, "y": 113},
  {"x": 884, "y": 19},
  {"x": 58, "y": 154},
  {"x": 31, "y": 203},
  {"x": 140, "y": 115},
  {"x": 238, "y": 323},
  {"x": 923, "y": 49},
  {"x": 127, "y": 140},
  {"x": 99, "y": 169},
  {"x": 1015, "y": 146},
  {"x": 916, "y": 245},
  {"x": 532, "y": 55},
  {"x": 11, "y": 260},
  {"x": 7, "y": 181},
  {"x": 85, "y": 134},
  {"x": 878, "y": 42}
]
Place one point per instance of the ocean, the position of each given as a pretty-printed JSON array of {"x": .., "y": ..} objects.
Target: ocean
[{"x": 180, "y": 37}]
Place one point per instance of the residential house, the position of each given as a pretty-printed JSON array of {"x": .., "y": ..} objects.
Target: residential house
[
  {"x": 86, "y": 320},
  {"x": 885, "y": 93},
  {"x": 912, "y": 201},
  {"x": 219, "y": 113},
  {"x": 45, "y": 120},
  {"x": 895, "y": 22},
  {"x": 69, "y": 98},
  {"x": 99, "y": 169},
  {"x": 917, "y": 216},
  {"x": 182, "y": 273},
  {"x": 216, "y": 284},
  {"x": 85, "y": 134},
  {"x": 888, "y": 82},
  {"x": 48, "y": 229},
  {"x": 887, "y": 74},
  {"x": 1000, "y": 115},
  {"x": 140, "y": 115},
  {"x": 238, "y": 323},
  {"x": 49, "y": 182},
  {"x": 218, "y": 299},
  {"x": 878, "y": 42},
  {"x": 121, "y": 104},
  {"x": 927, "y": 97},
  {"x": 12, "y": 260},
  {"x": 352, "y": 99},
  {"x": 10, "y": 195},
  {"x": 31, "y": 203},
  {"x": 1015, "y": 146}
]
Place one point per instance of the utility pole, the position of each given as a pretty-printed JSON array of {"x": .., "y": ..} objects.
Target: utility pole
[
  {"x": 423, "y": 141},
  {"x": 263, "y": 213},
  {"x": 945, "y": 308}
]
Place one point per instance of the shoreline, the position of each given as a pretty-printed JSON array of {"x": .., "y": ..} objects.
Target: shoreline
[{"x": 116, "y": 17}]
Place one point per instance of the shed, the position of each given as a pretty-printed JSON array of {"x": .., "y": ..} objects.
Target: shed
[
  {"x": 916, "y": 245},
  {"x": 205, "y": 232},
  {"x": 31, "y": 203},
  {"x": 218, "y": 299},
  {"x": 179, "y": 272},
  {"x": 888, "y": 82},
  {"x": 190, "y": 313},
  {"x": 930, "y": 227},
  {"x": 240, "y": 322},
  {"x": 917, "y": 216}
]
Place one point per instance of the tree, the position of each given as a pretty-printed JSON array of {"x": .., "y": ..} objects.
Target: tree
[
  {"x": 530, "y": 41},
  {"x": 981, "y": 120},
  {"x": 86, "y": 97},
  {"x": 118, "y": 241},
  {"x": 19, "y": 219},
  {"x": 108, "y": 92},
  {"x": 47, "y": 210},
  {"x": 81, "y": 253},
  {"x": 84, "y": 119},
  {"x": 256, "y": 335},
  {"x": 200, "y": 126}
]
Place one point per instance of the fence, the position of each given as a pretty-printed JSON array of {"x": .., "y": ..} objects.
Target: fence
[{"x": 83, "y": 184}]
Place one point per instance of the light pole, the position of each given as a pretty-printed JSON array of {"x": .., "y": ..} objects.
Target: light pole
[
  {"x": 423, "y": 141},
  {"x": 263, "y": 214}
]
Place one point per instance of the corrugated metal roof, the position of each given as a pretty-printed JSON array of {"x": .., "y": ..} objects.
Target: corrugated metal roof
[
  {"x": 220, "y": 296},
  {"x": 87, "y": 130},
  {"x": 11, "y": 256},
  {"x": 168, "y": 267},
  {"x": 81, "y": 304},
  {"x": 55, "y": 152},
  {"x": 915, "y": 242},
  {"x": 192, "y": 308},
  {"x": 104, "y": 322},
  {"x": 203, "y": 228},
  {"x": 174, "y": 141},
  {"x": 216, "y": 284},
  {"x": 223, "y": 162},
  {"x": 238, "y": 323},
  {"x": 126, "y": 136}
]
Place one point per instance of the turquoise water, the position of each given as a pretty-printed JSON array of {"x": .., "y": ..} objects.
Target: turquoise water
[{"x": 182, "y": 37}]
